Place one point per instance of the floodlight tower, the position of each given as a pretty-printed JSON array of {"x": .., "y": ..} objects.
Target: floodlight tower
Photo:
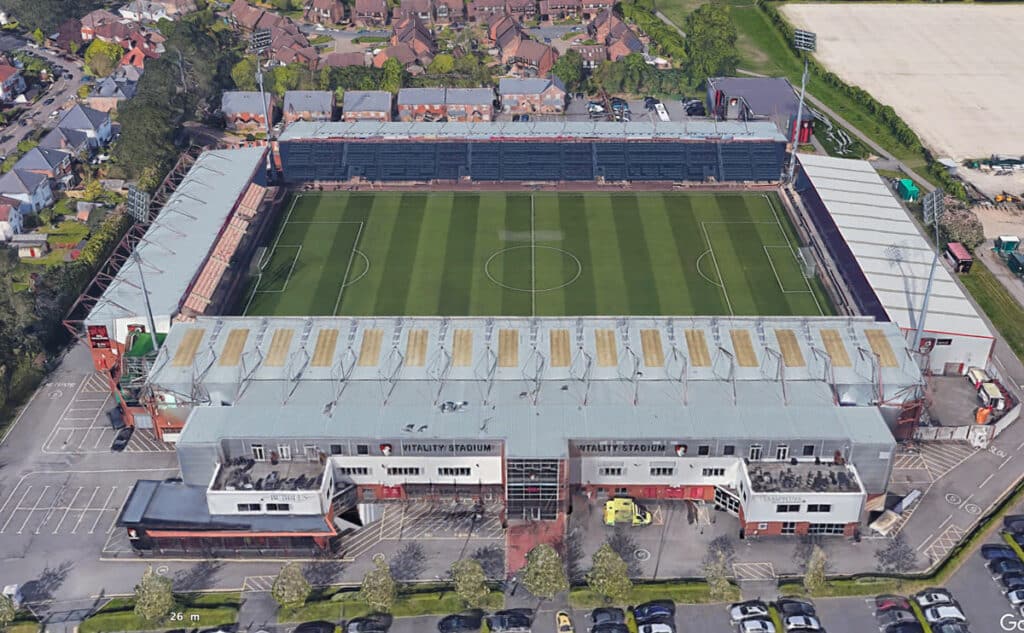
[
  {"x": 805, "y": 42},
  {"x": 259, "y": 42},
  {"x": 933, "y": 204}
]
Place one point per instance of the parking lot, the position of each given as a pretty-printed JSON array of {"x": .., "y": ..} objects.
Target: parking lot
[{"x": 62, "y": 503}]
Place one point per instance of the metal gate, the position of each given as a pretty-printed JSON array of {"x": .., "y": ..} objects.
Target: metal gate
[{"x": 143, "y": 421}]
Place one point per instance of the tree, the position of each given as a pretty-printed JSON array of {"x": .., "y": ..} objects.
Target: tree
[
  {"x": 38, "y": 36},
  {"x": 102, "y": 57},
  {"x": 7, "y": 611},
  {"x": 608, "y": 576},
  {"x": 897, "y": 557},
  {"x": 93, "y": 191},
  {"x": 569, "y": 68},
  {"x": 291, "y": 589},
  {"x": 470, "y": 582},
  {"x": 392, "y": 80},
  {"x": 710, "y": 42},
  {"x": 544, "y": 574},
  {"x": 83, "y": 91},
  {"x": 244, "y": 74},
  {"x": 443, "y": 64},
  {"x": 154, "y": 598},
  {"x": 379, "y": 589},
  {"x": 74, "y": 46},
  {"x": 961, "y": 225},
  {"x": 716, "y": 574},
  {"x": 814, "y": 576}
]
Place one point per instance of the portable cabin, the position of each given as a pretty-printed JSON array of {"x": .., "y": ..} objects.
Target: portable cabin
[
  {"x": 1016, "y": 263},
  {"x": 977, "y": 377},
  {"x": 1006, "y": 244},
  {"x": 991, "y": 396},
  {"x": 959, "y": 257},
  {"x": 908, "y": 190}
]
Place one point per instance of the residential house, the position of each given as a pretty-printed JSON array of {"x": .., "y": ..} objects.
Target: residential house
[
  {"x": 370, "y": 13},
  {"x": 10, "y": 220},
  {"x": 95, "y": 125},
  {"x": 612, "y": 31},
  {"x": 343, "y": 60},
  {"x": 414, "y": 32},
  {"x": 422, "y": 9},
  {"x": 52, "y": 163},
  {"x": 325, "y": 12},
  {"x": 530, "y": 58},
  {"x": 469, "y": 104},
  {"x": 69, "y": 36},
  {"x": 106, "y": 95},
  {"x": 403, "y": 53},
  {"x": 30, "y": 245},
  {"x": 449, "y": 10},
  {"x": 143, "y": 11},
  {"x": 589, "y": 9},
  {"x": 68, "y": 140},
  {"x": 139, "y": 49},
  {"x": 177, "y": 8},
  {"x": 484, "y": 11},
  {"x": 12, "y": 83},
  {"x": 308, "y": 105},
  {"x": 532, "y": 96},
  {"x": 244, "y": 15},
  {"x": 559, "y": 9},
  {"x": 421, "y": 104},
  {"x": 592, "y": 55},
  {"x": 626, "y": 44},
  {"x": 366, "y": 105},
  {"x": 501, "y": 29},
  {"x": 95, "y": 19},
  {"x": 115, "y": 32},
  {"x": 244, "y": 110},
  {"x": 31, "y": 189},
  {"x": 521, "y": 9}
]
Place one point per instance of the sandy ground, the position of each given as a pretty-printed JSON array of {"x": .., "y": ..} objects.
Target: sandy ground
[
  {"x": 990, "y": 184},
  {"x": 1003, "y": 219},
  {"x": 955, "y": 73}
]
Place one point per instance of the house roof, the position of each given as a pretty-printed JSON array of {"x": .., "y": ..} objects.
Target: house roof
[
  {"x": 341, "y": 60},
  {"x": 110, "y": 87},
  {"x": 98, "y": 17},
  {"x": 366, "y": 101},
  {"x": 420, "y": 96},
  {"x": 469, "y": 96},
  {"x": 371, "y": 6},
  {"x": 417, "y": 6},
  {"x": 60, "y": 138},
  {"x": 7, "y": 71},
  {"x": 326, "y": 5},
  {"x": 527, "y": 86},
  {"x": 82, "y": 118},
  {"x": 532, "y": 51},
  {"x": 20, "y": 181},
  {"x": 42, "y": 158},
  {"x": 308, "y": 101},
  {"x": 244, "y": 101},
  {"x": 403, "y": 52},
  {"x": 5, "y": 212},
  {"x": 245, "y": 14},
  {"x": 765, "y": 96}
]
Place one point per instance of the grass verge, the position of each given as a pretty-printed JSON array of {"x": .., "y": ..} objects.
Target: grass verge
[
  {"x": 22, "y": 626},
  {"x": 346, "y": 605},
  {"x": 683, "y": 592},
  {"x": 126, "y": 620},
  {"x": 1001, "y": 307}
]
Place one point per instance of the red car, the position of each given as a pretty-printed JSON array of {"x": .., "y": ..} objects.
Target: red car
[{"x": 887, "y": 603}]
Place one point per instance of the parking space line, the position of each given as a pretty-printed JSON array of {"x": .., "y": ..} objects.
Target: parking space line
[
  {"x": 99, "y": 514},
  {"x": 10, "y": 517},
  {"x": 71, "y": 504},
  {"x": 49, "y": 512},
  {"x": 87, "y": 506},
  {"x": 117, "y": 513},
  {"x": 33, "y": 510}
]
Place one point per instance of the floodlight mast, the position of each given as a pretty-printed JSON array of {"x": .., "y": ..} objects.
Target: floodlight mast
[
  {"x": 806, "y": 42},
  {"x": 261, "y": 40},
  {"x": 934, "y": 206},
  {"x": 145, "y": 296}
]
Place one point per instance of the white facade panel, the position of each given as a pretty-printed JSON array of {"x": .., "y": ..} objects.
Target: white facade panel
[
  {"x": 395, "y": 471},
  {"x": 299, "y": 502},
  {"x": 843, "y": 507},
  {"x": 639, "y": 471}
]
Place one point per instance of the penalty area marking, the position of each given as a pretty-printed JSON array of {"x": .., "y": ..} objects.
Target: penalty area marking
[
  {"x": 782, "y": 286},
  {"x": 365, "y": 270},
  {"x": 701, "y": 272},
  {"x": 711, "y": 249},
  {"x": 778, "y": 220},
  {"x": 348, "y": 268}
]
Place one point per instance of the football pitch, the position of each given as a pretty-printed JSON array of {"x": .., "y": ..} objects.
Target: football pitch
[{"x": 544, "y": 254}]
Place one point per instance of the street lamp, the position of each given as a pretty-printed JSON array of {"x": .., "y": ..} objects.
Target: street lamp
[{"x": 806, "y": 42}]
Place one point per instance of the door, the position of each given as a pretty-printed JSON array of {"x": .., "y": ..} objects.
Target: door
[
  {"x": 755, "y": 452},
  {"x": 284, "y": 451},
  {"x": 727, "y": 500},
  {"x": 258, "y": 453},
  {"x": 781, "y": 452},
  {"x": 143, "y": 421}
]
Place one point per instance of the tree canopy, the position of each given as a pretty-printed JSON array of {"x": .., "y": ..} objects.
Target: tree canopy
[
  {"x": 544, "y": 575},
  {"x": 291, "y": 589},
  {"x": 378, "y": 590},
  {"x": 710, "y": 42},
  {"x": 47, "y": 14},
  {"x": 392, "y": 80},
  {"x": 569, "y": 68},
  {"x": 609, "y": 575},
  {"x": 154, "y": 598},
  {"x": 102, "y": 57},
  {"x": 470, "y": 582}
]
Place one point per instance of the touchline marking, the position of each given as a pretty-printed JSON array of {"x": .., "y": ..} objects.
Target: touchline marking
[
  {"x": 295, "y": 260},
  {"x": 778, "y": 221},
  {"x": 986, "y": 480},
  {"x": 269, "y": 254},
  {"x": 1005, "y": 462},
  {"x": 348, "y": 269},
  {"x": 533, "y": 259},
  {"x": 711, "y": 249}
]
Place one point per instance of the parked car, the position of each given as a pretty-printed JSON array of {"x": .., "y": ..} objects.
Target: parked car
[
  {"x": 604, "y": 615},
  {"x": 1016, "y": 597},
  {"x": 563, "y": 623},
  {"x": 461, "y": 622},
  {"x": 369, "y": 624},
  {"x": 895, "y": 616},
  {"x": 122, "y": 438},
  {"x": 802, "y": 623},
  {"x": 508, "y": 621},
  {"x": 933, "y": 596},
  {"x": 759, "y": 625},
  {"x": 610, "y": 627},
  {"x": 318, "y": 626},
  {"x": 657, "y": 627},
  {"x": 794, "y": 606},
  {"x": 48, "y": 101},
  {"x": 1014, "y": 523},
  {"x": 1011, "y": 581},
  {"x": 116, "y": 419},
  {"x": 1004, "y": 566},
  {"x": 650, "y": 102},
  {"x": 950, "y": 627},
  {"x": 909, "y": 627},
  {"x": 654, "y": 611},
  {"x": 997, "y": 552},
  {"x": 944, "y": 612},
  {"x": 748, "y": 610}
]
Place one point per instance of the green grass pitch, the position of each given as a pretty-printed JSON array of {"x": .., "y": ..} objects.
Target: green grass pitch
[{"x": 546, "y": 254}]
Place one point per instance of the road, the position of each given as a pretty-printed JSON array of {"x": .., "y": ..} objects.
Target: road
[{"x": 37, "y": 115}]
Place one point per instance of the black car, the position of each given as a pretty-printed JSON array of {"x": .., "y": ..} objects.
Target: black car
[
  {"x": 318, "y": 626},
  {"x": 650, "y": 102},
  {"x": 997, "y": 552},
  {"x": 1012, "y": 580},
  {"x": 654, "y": 611},
  {"x": 460, "y": 623},
  {"x": 909, "y": 627},
  {"x": 605, "y": 615},
  {"x": 610, "y": 627},
  {"x": 950, "y": 627},
  {"x": 794, "y": 606},
  {"x": 508, "y": 621},
  {"x": 116, "y": 419},
  {"x": 1005, "y": 566},
  {"x": 48, "y": 101},
  {"x": 122, "y": 438},
  {"x": 364, "y": 625}
]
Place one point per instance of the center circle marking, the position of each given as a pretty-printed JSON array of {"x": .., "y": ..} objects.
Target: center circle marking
[{"x": 538, "y": 247}]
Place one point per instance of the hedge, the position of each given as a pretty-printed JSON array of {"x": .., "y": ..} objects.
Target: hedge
[{"x": 665, "y": 38}]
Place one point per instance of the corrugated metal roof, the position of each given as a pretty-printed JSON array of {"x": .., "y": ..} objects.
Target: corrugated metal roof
[
  {"x": 176, "y": 245},
  {"x": 574, "y": 130},
  {"x": 887, "y": 244}
]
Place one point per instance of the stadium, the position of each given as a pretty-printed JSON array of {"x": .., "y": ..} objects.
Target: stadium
[{"x": 381, "y": 313}]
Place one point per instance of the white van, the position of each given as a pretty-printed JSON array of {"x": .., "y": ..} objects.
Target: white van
[
  {"x": 990, "y": 396},
  {"x": 977, "y": 377},
  {"x": 14, "y": 593}
]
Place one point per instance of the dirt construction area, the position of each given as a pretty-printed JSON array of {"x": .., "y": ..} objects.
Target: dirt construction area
[{"x": 952, "y": 72}]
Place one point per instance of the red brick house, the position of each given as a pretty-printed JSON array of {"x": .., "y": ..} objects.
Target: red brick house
[
  {"x": 244, "y": 15},
  {"x": 93, "y": 20},
  {"x": 308, "y": 105},
  {"x": 592, "y": 55},
  {"x": 366, "y": 105},
  {"x": 243, "y": 110},
  {"x": 589, "y": 9},
  {"x": 325, "y": 12},
  {"x": 370, "y": 13},
  {"x": 501, "y": 29},
  {"x": 559, "y": 9},
  {"x": 414, "y": 32},
  {"x": 532, "y": 59},
  {"x": 422, "y": 104},
  {"x": 521, "y": 9},
  {"x": 343, "y": 60},
  {"x": 532, "y": 96},
  {"x": 485, "y": 10},
  {"x": 626, "y": 44},
  {"x": 449, "y": 10},
  {"x": 422, "y": 9},
  {"x": 469, "y": 104},
  {"x": 402, "y": 52}
]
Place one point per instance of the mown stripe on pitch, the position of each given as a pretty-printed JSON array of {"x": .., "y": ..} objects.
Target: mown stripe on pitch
[
  {"x": 611, "y": 294},
  {"x": 374, "y": 212},
  {"x": 458, "y": 271},
  {"x": 669, "y": 280},
  {"x": 635, "y": 254},
  {"x": 517, "y": 220},
  {"x": 394, "y": 286},
  {"x": 579, "y": 298},
  {"x": 705, "y": 297}
]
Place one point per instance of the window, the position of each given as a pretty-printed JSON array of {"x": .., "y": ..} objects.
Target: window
[
  {"x": 335, "y": 449},
  {"x": 312, "y": 453},
  {"x": 819, "y": 507},
  {"x": 403, "y": 470},
  {"x": 279, "y": 507},
  {"x": 944, "y": 341},
  {"x": 284, "y": 451},
  {"x": 713, "y": 472},
  {"x": 621, "y": 491},
  {"x": 362, "y": 449},
  {"x": 704, "y": 450},
  {"x": 755, "y": 452},
  {"x": 451, "y": 471},
  {"x": 788, "y": 527},
  {"x": 808, "y": 450},
  {"x": 353, "y": 470},
  {"x": 781, "y": 452},
  {"x": 257, "y": 452},
  {"x": 662, "y": 471},
  {"x": 728, "y": 449},
  {"x": 249, "y": 507},
  {"x": 825, "y": 528},
  {"x": 610, "y": 471},
  {"x": 787, "y": 507},
  {"x": 762, "y": 526}
]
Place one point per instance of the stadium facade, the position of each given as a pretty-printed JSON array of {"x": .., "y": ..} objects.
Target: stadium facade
[
  {"x": 705, "y": 151},
  {"x": 783, "y": 422}
]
